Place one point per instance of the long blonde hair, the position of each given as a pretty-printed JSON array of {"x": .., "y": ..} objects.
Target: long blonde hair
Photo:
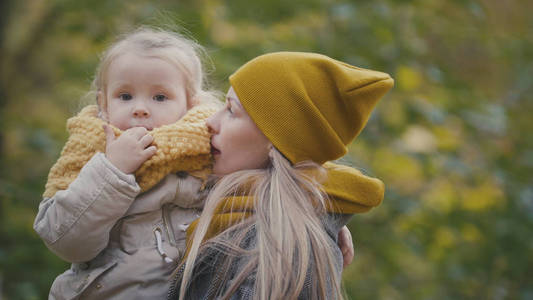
[{"x": 291, "y": 240}]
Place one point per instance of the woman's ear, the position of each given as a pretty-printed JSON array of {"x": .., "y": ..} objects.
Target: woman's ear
[
  {"x": 270, "y": 147},
  {"x": 102, "y": 105}
]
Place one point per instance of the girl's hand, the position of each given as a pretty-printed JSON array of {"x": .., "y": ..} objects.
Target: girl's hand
[
  {"x": 346, "y": 245},
  {"x": 130, "y": 150}
]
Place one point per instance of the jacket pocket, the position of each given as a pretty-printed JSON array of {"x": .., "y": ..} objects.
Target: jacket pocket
[{"x": 75, "y": 281}]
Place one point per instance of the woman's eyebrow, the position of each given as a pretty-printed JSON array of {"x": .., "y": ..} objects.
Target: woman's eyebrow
[{"x": 234, "y": 101}]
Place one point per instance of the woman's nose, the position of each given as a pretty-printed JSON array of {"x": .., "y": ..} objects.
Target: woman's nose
[{"x": 211, "y": 122}]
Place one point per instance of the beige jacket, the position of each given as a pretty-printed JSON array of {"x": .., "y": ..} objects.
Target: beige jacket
[{"x": 122, "y": 244}]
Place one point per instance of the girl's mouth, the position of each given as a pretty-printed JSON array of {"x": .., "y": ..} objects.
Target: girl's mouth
[{"x": 149, "y": 128}]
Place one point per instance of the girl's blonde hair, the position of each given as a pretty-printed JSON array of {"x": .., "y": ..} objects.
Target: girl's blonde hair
[
  {"x": 291, "y": 241},
  {"x": 184, "y": 53}
]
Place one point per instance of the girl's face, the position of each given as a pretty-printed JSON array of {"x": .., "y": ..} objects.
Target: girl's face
[
  {"x": 237, "y": 143},
  {"x": 143, "y": 91}
]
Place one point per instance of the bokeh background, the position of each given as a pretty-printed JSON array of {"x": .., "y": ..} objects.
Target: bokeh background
[{"x": 452, "y": 141}]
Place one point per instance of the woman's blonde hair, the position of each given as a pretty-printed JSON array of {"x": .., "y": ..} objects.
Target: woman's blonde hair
[
  {"x": 178, "y": 50},
  {"x": 291, "y": 246}
]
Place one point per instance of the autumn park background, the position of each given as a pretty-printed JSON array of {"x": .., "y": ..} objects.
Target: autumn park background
[{"x": 452, "y": 141}]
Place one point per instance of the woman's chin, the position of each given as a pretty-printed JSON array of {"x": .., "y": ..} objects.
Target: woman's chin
[{"x": 218, "y": 170}]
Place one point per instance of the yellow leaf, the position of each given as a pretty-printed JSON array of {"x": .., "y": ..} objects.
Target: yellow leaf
[
  {"x": 444, "y": 240},
  {"x": 441, "y": 196},
  {"x": 483, "y": 197},
  {"x": 408, "y": 78},
  {"x": 471, "y": 234},
  {"x": 401, "y": 172}
]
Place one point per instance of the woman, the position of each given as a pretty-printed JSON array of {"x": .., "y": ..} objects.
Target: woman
[{"x": 267, "y": 230}]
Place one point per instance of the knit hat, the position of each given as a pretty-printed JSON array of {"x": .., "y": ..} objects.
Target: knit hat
[{"x": 308, "y": 105}]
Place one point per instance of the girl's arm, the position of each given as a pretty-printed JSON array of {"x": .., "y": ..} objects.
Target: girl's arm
[{"x": 75, "y": 223}]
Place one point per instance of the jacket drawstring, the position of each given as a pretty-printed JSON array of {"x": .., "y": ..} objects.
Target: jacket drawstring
[{"x": 159, "y": 243}]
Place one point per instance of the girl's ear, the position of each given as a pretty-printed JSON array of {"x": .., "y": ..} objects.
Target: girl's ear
[
  {"x": 192, "y": 102},
  {"x": 102, "y": 105}
]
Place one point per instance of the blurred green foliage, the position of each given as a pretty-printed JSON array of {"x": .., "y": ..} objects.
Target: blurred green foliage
[{"x": 452, "y": 141}]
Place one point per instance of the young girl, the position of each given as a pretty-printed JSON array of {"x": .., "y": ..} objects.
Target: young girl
[
  {"x": 267, "y": 231},
  {"x": 115, "y": 205}
]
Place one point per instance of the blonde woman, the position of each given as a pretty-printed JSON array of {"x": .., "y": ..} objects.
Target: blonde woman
[{"x": 269, "y": 226}]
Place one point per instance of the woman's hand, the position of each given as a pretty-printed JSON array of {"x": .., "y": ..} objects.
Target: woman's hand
[
  {"x": 346, "y": 245},
  {"x": 130, "y": 150}
]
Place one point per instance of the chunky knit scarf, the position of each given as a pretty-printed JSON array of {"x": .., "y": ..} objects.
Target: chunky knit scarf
[
  {"x": 349, "y": 191},
  {"x": 182, "y": 146}
]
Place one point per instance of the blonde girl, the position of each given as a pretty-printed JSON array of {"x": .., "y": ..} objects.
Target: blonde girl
[
  {"x": 114, "y": 205},
  {"x": 268, "y": 230}
]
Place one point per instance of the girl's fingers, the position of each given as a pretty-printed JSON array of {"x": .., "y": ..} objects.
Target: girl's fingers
[
  {"x": 137, "y": 132},
  {"x": 146, "y": 140},
  {"x": 109, "y": 134},
  {"x": 149, "y": 152}
]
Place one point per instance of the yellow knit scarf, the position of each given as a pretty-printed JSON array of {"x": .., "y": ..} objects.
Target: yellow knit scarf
[
  {"x": 182, "y": 146},
  {"x": 349, "y": 191}
]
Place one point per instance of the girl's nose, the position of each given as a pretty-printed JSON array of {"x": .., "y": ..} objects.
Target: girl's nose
[{"x": 140, "y": 111}]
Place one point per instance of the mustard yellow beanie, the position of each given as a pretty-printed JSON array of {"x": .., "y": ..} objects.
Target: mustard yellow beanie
[{"x": 308, "y": 105}]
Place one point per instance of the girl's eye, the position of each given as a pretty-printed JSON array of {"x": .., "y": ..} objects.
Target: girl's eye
[
  {"x": 125, "y": 96},
  {"x": 160, "y": 97}
]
